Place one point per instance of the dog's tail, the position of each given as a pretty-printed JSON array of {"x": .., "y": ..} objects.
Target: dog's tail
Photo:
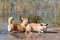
[{"x": 10, "y": 20}]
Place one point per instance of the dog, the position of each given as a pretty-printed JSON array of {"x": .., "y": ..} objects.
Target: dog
[
  {"x": 17, "y": 26},
  {"x": 40, "y": 27}
]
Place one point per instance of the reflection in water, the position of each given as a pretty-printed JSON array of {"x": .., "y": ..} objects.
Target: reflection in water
[
  {"x": 3, "y": 19},
  {"x": 10, "y": 37},
  {"x": 22, "y": 36},
  {"x": 3, "y": 32}
]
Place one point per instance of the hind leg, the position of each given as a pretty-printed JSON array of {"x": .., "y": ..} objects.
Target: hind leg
[
  {"x": 28, "y": 31},
  {"x": 10, "y": 29}
]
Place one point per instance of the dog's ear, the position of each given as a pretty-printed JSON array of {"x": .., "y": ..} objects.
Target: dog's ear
[
  {"x": 46, "y": 24},
  {"x": 22, "y": 18}
]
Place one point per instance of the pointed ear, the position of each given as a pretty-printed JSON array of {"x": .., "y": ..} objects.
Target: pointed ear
[
  {"x": 46, "y": 24},
  {"x": 22, "y": 18}
]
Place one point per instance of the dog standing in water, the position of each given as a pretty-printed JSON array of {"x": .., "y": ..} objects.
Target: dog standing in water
[
  {"x": 37, "y": 27},
  {"x": 16, "y": 26}
]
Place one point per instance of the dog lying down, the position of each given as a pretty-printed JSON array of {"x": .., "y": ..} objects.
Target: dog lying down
[{"x": 40, "y": 27}]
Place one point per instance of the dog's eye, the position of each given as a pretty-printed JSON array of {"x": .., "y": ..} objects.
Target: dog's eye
[{"x": 41, "y": 25}]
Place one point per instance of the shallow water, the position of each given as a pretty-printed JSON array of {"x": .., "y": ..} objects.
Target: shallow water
[{"x": 4, "y": 35}]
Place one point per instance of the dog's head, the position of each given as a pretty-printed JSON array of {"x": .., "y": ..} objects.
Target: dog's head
[
  {"x": 44, "y": 26},
  {"x": 25, "y": 20}
]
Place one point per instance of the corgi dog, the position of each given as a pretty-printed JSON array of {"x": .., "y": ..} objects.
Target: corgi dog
[
  {"x": 40, "y": 27},
  {"x": 17, "y": 26}
]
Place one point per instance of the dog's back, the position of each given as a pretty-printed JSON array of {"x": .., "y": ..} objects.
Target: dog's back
[
  {"x": 18, "y": 27},
  {"x": 32, "y": 26}
]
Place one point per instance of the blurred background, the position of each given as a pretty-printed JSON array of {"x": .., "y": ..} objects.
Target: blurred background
[{"x": 47, "y": 11}]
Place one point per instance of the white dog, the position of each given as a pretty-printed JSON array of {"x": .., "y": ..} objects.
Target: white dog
[
  {"x": 16, "y": 26},
  {"x": 40, "y": 27}
]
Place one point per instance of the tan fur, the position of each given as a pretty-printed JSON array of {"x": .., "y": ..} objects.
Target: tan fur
[
  {"x": 35, "y": 26},
  {"x": 17, "y": 26}
]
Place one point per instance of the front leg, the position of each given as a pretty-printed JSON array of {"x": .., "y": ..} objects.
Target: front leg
[
  {"x": 25, "y": 32},
  {"x": 41, "y": 31}
]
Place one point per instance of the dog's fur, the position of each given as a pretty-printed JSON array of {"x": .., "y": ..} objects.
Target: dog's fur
[
  {"x": 16, "y": 26},
  {"x": 40, "y": 27}
]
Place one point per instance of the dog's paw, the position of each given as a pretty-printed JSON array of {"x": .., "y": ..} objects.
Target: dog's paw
[{"x": 42, "y": 31}]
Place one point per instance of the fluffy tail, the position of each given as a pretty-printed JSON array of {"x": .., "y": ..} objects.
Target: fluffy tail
[{"x": 10, "y": 20}]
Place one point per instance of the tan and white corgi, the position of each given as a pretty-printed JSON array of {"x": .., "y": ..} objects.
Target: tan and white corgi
[
  {"x": 40, "y": 27},
  {"x": 17, "y": 26}
]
